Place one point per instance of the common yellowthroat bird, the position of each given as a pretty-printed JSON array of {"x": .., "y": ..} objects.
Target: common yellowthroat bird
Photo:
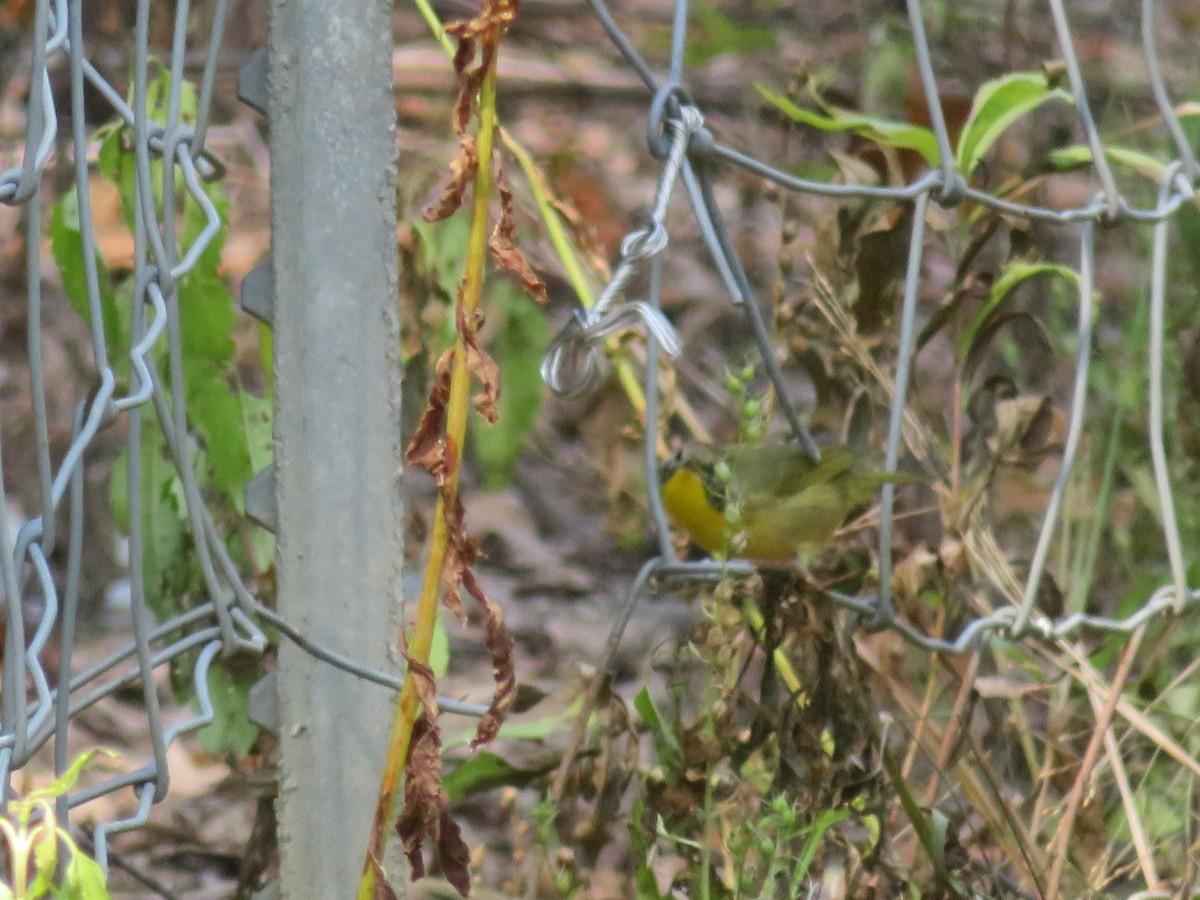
[{"x": 785, "y": 504}]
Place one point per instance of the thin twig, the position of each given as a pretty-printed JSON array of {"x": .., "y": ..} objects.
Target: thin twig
[{"x": 1058, "y": 846}]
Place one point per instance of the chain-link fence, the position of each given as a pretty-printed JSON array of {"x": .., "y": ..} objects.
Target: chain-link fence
[
  {"x": 677, "y": 135},
  {"x": 166, "y": 141},
  {"x": 162, "y": 137}
]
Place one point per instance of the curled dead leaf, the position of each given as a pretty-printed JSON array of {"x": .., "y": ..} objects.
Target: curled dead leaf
[
  {"x": 500, "y": 647},
  {"x": 503, "y": 248},
  {"x": 427, "y": 449},
  {"x": 426, "y": 815},
  {"x": 420, "y": 819},
  {"x": 462, "y": 171},
  {"x": 480, "y": 364},
  {"x": 477, "y": 36},
  {"x": 453, "y": 855}
]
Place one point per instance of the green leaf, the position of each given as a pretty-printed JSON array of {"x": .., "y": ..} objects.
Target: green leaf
[
  {"x": 485, "y": 770},
  {"x": 887, "y": 132},
  {"x": 217, "y": 412},
  {"x": 163, "y": 514},
  {"x": 158, "y": 96},
  {"x": 518, "y": 348},
  {"x": 84, "y": 880},
  {"x": 45, "y": 855},
  {"x": 646, "y": 708},
  {"x": 66, "y": 244},
  {"x": 815, "y": 836},
  {"x": 939, "y": 827},
  {"x": 231, "y": 729},
  {"x": 998, "y": 104},
  {"x": 195, "y": 221},
  {"x": 443, "y": 248},
  {"x": 256, "y": 424},
  {"x": 266, "y": 355},
  {"x": 717, "y": 35},
  {"x": 206, "y": 316},
  {"x": 1077, "y": 155},
  {"x": 915, "y": 813},
  {"x": 439, "y": 649},
  {"x": 1013, "y": 276},
  {"x": 645, "y": 882},
  {"x": 1187, "y": 217},
  {"x": 670, "y": 753},
  {"x": 116, "y": 165},
  {"x": 66, "y": 781}
]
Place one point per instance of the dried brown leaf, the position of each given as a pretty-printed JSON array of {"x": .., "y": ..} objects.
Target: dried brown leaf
[
  {"x": 424, "y": 799},
  {"x": 453, "y": 854},
  {"x": 427, "y": 449},
  {"x": 481, "y": 365},
  {"x": 426, "y": 688},
  {"x": 462, "y": 171},
  {"x": 460, "y": 555},
  {"x": 426, "y": 815},
  {"x": 499, "y": 645},
  {"x": 504, "y": 249},
  {"x": 483, "y": 30},
  {"x": 493, "y": 15}
]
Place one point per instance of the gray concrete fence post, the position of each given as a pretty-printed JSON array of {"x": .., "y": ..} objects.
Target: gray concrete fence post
[{"x": 337, "y": 422}]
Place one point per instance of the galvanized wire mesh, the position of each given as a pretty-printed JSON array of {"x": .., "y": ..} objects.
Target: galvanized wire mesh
[
  {"x": 32, "y": 711},
  {"x": 38, "y": 704},
  {"x": 676, "y": 135}
]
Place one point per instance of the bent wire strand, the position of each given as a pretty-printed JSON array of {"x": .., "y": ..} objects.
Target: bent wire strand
[
  {"x": 1086, "y": 317},
  {"x": 575, "y": 362},
  {"x": 1158, "y": 452}
]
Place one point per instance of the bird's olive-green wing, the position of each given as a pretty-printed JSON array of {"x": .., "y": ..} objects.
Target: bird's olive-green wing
[
  {"x": 781, "y": 470},
  {"x": 800, "y": 523}
]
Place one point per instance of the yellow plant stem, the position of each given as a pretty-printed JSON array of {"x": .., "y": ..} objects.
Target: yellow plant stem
[
  {"x": 457, "y": 407},
  {"x": 555, "y": 231},
  {"x": 783, "y": 665}
]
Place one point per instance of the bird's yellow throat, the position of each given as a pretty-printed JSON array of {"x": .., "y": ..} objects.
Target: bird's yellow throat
[{"x": 685, "y": 499}]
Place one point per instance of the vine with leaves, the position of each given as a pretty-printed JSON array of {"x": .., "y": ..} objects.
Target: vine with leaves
[{"x": 415, "y": 745}]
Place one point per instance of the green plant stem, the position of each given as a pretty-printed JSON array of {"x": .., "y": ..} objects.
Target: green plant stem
[
  {"x": 435, "y": 26},
  {"x": 554, "y": 229}
]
